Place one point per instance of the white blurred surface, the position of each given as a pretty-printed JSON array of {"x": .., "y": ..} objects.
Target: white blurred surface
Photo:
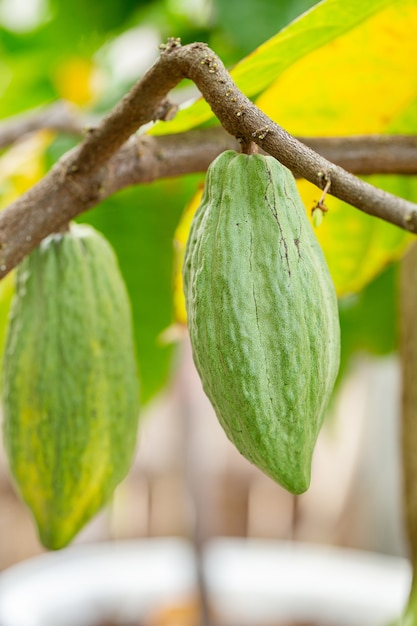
[
  {"x": 78, "y": 585},
  {"x": 260, "y": 581},
  {"x": 249, "y": 582}
]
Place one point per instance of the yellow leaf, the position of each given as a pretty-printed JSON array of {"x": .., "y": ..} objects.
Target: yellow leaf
[
  {"x": 6, "y": 295},
  {"x": 180, "y": 240},
  {"x": 358, "y": 83},
  {"x": 22, "y": 166}
]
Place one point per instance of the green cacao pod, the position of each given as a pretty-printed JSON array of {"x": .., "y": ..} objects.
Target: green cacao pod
[
  {"x": 70, "y": 390},
  {"x": 262, "y": 314}
]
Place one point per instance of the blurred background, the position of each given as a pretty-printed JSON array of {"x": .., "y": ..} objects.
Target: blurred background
[{"x": 187, "y": 480}]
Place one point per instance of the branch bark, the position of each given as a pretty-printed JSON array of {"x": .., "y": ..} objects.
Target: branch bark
[
  {"x": 107, "y": 160},
  {"x": 408, "y": 334},
  {"x": 360, "y": 154},
  {"x": 369, "y": 154}
]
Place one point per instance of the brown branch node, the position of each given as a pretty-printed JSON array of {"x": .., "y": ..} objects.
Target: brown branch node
[{"x": 325, "y": 178}]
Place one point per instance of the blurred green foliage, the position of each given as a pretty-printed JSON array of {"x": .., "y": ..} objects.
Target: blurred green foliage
[
  {"x": 30, "y": 59},
  {"x": 245, "y": 25},
  {"x": 369, "y": 319}
]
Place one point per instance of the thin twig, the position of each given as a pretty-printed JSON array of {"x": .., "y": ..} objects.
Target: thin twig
[
  {"x": 59, "y": 116},
  {"x": 85, "y": 176}
]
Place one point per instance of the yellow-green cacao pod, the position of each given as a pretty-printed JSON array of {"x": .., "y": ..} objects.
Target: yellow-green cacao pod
[
  {"x": 262, "y": 314},
  {"x": 70, "y": 391}
]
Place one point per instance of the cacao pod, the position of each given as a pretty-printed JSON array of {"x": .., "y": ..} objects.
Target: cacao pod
[
  {"x": 70, "y": 382},
  {"x": 262, "y": 314}
]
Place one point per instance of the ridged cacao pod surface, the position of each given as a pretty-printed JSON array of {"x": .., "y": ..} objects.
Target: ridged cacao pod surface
[
  {"x": 70, "y": 390},
  {"x": 262, "y": 314}
]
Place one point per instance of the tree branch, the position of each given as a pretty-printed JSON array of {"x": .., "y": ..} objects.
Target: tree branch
[
  {"x": 360, "y": 154},
  {"x": 99, "y": 167},
  {"x": 369, "y": 154},
  {"x": 59, "y": 116}
]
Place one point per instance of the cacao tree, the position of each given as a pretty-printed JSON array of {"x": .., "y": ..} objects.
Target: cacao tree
[{"x": 331, "y": 98}]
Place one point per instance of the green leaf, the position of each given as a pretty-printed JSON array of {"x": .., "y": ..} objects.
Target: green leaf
[
  {"x": 26, "y": 83},
  {"x": 140, "y": 223},
  {"x": 325, "y": 22},
  {"x": 369, "y": 320},
  {"x": 86, "y": 19},
  {"x": 248, "y": 24}
]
